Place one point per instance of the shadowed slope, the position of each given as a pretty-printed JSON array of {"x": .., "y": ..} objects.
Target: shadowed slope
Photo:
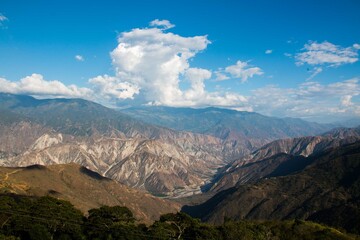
[{"x": 331, "y": 181}]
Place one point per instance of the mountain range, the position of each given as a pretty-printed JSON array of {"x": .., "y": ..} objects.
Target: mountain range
[
  {"x": 163, "y": 161},
  {"x": 140, "y": 155},
  {"x": 228, "y": 164},
  {"x": 241, "y": 132}
]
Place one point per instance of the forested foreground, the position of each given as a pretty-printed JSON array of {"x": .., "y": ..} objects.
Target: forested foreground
[{"x": 50, "y": 218}]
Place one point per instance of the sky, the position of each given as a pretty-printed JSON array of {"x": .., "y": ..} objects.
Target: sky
[{"x": 278, "y": 58}]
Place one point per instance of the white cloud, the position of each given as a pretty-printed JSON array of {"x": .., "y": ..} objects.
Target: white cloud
[
  {"x": 326, "y": 53},
  {"x": 346, "y": 101},
  {"x": 310, "y": 99},
  {"x": 149, "y": 65},
  {"x": 221, "y": 76},
  {"x": 356, "y": 46},
  {"x": 315, "y": 72},
  {"x": 112, "y": 87},
  {"x": 36, "y": 85},
  {"x": 269, "y": 51},
  {"x": 196, "y": 76},
  {"x": 154, "y": 62},
  {"x": 243, "y": 71},
  {"x": 165, "y": 24},
  {"x": 79, "y": 58}
]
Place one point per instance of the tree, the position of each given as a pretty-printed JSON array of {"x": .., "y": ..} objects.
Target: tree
[
  {"x": 173, "y": 225},
  {"x": 106, "y": 221},
  {"x": 30, "y": 218},
  {"x": 63, "y": 218}
]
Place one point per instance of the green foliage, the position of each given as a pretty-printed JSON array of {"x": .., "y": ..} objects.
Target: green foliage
[
  {"x": 50, "y": 218},
  {"x": 42, "y": 218},
  {"x": 173, "y": 225},
  {"x": 111, "y": 223}
]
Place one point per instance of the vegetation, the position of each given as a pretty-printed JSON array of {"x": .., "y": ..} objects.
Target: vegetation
[
  {"x": 50, "y": 218},
  {"x": 326, "y": 191}
]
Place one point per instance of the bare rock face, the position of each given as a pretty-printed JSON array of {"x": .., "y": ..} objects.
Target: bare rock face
[
  {"x": 160, "y": 167},
  {"x": 177, "y": 166},
  {"x": 18, "y": 137},
  {"x": 46, "y": 141}
]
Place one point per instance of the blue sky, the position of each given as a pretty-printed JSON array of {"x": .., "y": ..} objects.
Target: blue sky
[{"x": 279, "y": 58}]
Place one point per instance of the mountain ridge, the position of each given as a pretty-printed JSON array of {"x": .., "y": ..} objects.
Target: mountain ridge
[
  {"x": 331, "y": 180},
  {"x": 281, "y": 153},
  {"x": 242, "y": 131},
  {"x": 83, "y": 188},
  {"x": 179, "y": 118}
]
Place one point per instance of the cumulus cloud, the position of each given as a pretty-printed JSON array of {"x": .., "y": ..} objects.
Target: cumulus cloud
[
  {"x": 346, "y": 100},
  {"x": 152, "y": 63},
  {"x": 165, "y": 24},
  {"x": 112, "y": 87},
  {"x": 269, "y": 51},
  {"x": 220, "y": 76},
  {"x": 196, "y": 76},
  {"x": 36, "y": 85},
  {"x": 309, "y": 99},
  {"x": 79, "y": 58},
  {"x": 243, "y": 71},
  {"x": 153, "y": 60},
  {"x": 326, "y": 53}
]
